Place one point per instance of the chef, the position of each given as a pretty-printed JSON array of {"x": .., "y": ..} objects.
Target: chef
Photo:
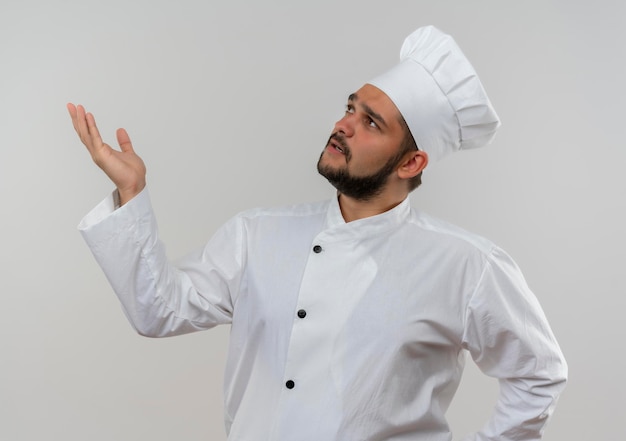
[{"x": 350, "y": 318}]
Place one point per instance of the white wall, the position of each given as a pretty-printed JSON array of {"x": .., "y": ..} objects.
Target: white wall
[{"x": 229, "y": 104}]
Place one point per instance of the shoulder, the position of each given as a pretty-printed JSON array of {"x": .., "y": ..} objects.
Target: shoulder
[
  {"x": 453, "y": 240},
  {"x": 304, "y": 210},
  {"x": 272, "y": 222},
  {"x": 304, "y": 216},
  {"x": 443, "y": 232}
]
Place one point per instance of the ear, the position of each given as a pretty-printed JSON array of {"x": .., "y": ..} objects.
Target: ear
[{"x": 413, "y": 164}]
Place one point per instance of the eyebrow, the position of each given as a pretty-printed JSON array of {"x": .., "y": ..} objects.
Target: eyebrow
[{"x": 375, "y": 116}]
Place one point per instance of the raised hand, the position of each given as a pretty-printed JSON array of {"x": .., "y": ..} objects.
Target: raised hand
[{"x": 123, "y": 167}]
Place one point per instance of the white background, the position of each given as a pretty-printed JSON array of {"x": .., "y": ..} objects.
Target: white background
[{"x": 229, "y": 104}]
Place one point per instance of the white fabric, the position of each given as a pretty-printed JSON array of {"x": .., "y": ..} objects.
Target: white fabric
[
  {"x": 392, "y": 302},
  {"x": 439, "y": 94}
]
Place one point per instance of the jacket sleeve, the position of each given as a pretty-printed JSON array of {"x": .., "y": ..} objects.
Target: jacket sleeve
[
  {"x": 161, "y": 299},
  {"x": 509, "y": 338}
]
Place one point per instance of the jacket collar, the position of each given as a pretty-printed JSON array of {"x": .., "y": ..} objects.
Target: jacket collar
[{"x": 336, "y": 225}]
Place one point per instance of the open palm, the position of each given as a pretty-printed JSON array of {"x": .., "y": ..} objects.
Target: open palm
[{"x": 123, "y": 167}]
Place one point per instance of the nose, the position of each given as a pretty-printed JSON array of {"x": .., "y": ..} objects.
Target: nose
[{"x": 345, "y": 125}]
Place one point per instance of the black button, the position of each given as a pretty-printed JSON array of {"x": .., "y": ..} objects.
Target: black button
[
  {"x": 290, "y": 384},
  {"x": 302, "y": 313},
  {"x": 317, "y": 249}
]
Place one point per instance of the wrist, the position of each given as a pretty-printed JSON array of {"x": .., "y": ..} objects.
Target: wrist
[{"x": 127, "y": 194}]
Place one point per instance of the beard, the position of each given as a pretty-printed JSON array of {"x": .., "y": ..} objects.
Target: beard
[{"x": 361, "y": 188}]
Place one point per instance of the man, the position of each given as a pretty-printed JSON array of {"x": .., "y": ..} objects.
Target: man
[{"x": 349, "y": 318}]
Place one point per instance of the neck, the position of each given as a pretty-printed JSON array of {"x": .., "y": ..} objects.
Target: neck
[{"x": 353, "y": 209}]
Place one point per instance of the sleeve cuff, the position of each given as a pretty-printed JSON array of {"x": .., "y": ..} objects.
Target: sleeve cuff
[{"x": 111, "y": 204}]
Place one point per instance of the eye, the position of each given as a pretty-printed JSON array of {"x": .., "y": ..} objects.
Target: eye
[
  {"x": 371, "y": 123},
  {"x": 349, "y": 108}
]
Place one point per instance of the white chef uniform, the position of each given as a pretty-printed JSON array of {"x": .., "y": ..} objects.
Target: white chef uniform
[{"x": 341, "y": 331}]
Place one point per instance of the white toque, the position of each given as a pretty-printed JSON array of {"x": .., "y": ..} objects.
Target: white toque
[{"x": 438, "y": 93}]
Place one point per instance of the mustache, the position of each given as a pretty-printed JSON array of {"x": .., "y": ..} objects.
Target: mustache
[{"x": 340, "y": 139}]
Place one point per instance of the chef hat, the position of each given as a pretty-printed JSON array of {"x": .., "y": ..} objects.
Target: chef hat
[{"x": 439, "y": 95}]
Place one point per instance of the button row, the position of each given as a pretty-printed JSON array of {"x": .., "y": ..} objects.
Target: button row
[{"x": 302, "y": 314}]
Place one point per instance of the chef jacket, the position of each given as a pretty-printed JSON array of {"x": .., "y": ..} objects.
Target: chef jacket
[{"x": 341, "y": 331}]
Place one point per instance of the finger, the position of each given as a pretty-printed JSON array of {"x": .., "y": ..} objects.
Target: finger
[
  {"x": 124, "y": 140},
  {"x": 81, "y": 125},
  {"x": 71, "y": 108},
  {"x": 94, "y": 133},
  {"x": 74, "y": 115}
]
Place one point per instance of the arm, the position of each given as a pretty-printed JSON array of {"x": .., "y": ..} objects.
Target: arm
[
  {"x": 509, "y": 338},
  {"x": 158, "y": 298},
  {"x": 161, "y": 299}
]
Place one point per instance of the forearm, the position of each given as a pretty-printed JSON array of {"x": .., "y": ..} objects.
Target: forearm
[
  {"x": 523, "y": 409},
  {"x": 510, "y": 339},
  {"x": 158, "y": 299}
]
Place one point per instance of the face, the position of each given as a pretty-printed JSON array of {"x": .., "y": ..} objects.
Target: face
[{"x": 364, "y": 148}]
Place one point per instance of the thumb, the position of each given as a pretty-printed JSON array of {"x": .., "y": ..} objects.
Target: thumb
[{"x": 124, "y": 140}]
